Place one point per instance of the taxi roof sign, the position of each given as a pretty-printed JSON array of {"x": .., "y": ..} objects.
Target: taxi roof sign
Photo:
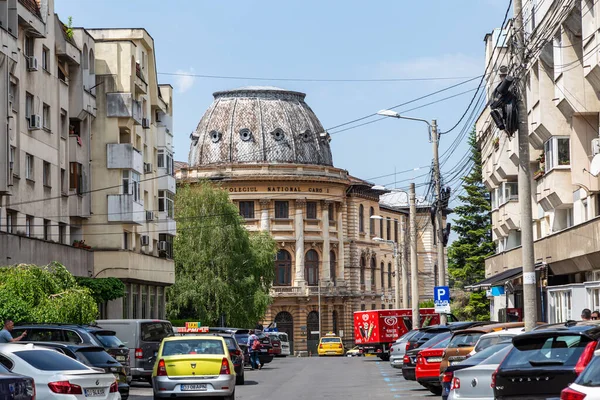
[
  {"x": 192, "y": 329},
  {"x": 192, "y": 325}
]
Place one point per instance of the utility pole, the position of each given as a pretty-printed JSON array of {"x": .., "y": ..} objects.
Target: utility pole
[
  {"x": 414, "y": 270},
  {"x": 438, "y": 212},
  {"x": 524, "y": 177},
  {"x": 404, "y": 266}
]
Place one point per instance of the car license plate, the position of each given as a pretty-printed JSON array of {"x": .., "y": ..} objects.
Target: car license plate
[
  {"x": 196, "y": 387},
  {"x": 264, "y": 350},
  {"x": 121, "y": 358},
  {"x": 434, "y": 359},
  {"x": 396, "y": 361},
  {"x": 454, "y": 362},
  {"x": 94, "y": 392}
]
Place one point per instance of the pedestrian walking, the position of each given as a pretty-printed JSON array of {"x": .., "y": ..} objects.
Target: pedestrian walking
[
  {"x": 5, "y": 333},
  {"x": 254, "y": 349}
]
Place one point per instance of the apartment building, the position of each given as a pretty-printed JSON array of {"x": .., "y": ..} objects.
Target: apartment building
[
  {"x": 132, "y": 224},
  {"x": 562, "y": 78}
]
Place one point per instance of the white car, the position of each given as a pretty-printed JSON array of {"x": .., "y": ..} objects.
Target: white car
[
  {"x": 492, "y": 338},
  {"x": 587, "y": 384},
  {"x": 285, "y": 342},
  {"x": 58, "y": 376}
]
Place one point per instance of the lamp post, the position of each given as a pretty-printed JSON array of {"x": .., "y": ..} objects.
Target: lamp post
[
  {"x": 434, "y": 138},
  {"x": 319, "y": 301}
]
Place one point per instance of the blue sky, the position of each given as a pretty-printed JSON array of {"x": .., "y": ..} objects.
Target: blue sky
[{"x": 319, "y": 40}]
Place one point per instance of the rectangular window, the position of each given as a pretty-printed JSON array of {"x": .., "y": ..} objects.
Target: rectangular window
[
  {"x": 28, "y": 45},
  {"x": 28, "y": 225},
  {"x": 510, "y": 191},
  {"x": 247, "y": 209},
  {"x": 396, "y": 231},
  {"x": 166, "y": 202},
  {"x": 76, "y": 177},
  {"x": 28, "y": 106},
  {"x": 62, "y": 233},
  {"x": 11, "y": 221},
  {"x": 126, "y": 240},
  {"x": 46, "y": 59},
  {"x": 29, "y": 167},
  {"x": 594, "y": 298},
  {"x": 46, "y": 117},
  {"x": 389, "y": 229},
  {"x": 381, "y": 228},
  {"x": 63, "y": 181},
  {"x": 560, "y": 306},
  {"x": 170, "y": 165},
  {"x": 331, "y": 212},
  {"x": 47, "y": 174},
  {"x": 282, "y": 209},
  {"x": 46, "y": 229},
  {"x": 168, "y": 243},
  {"x": 62, "y": 74},
  {"x": 13, "y": 158},
  {"x": 557, "y": 153},
  {"x": 311, "y": 210},
  {"x": 126, "y": 299},
  {"x": 13, "y": 96},
  {"x": 131, "y": 184},
  {"x": 160, "y": 162},
  {"x": 64, "y": 127}
]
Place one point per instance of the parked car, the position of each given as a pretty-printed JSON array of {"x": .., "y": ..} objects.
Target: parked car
[
  {"x": 142, "y": 337},
  {"x": 398, "y": 349},
  {"x": 354, "y": 352},
  {"x": 275, "y": 342},
  {"x": 56, "y": 374},
  {"x": 545, "y": 361},
  {"x": 587, "y": 384},
  {"x": 424, "y": 334},
  {"x": 285, "y": 344},
  {"x": 448, "y": 378},
  {"x": 409, "y": 364},
  {"x": 93, "y": 356},
  {"x": 427, "y": 370},
  {"x": 237, "y": 356},
  {"x": 16, "y": 387},
  {"x": 193, "y": 366},
  {"x": 491, "y": 338},
  {"x": 474, "y": 383},
  {"x": 77, "y": 334}
]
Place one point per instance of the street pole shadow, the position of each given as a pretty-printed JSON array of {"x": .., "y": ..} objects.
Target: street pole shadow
[{"x": 250, "y": 383}]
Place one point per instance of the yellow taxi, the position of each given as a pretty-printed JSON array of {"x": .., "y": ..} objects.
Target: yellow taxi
[
  {"x": 193, "y": 366},
  {"x": 330, "y": 345}
]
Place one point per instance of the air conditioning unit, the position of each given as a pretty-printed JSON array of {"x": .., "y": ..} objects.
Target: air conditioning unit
[
  {"x": 162, "y": 246},
  {"x": 145, "y": 123},
  {"x": 32, "y": 63},
  {"x": 35, "y": 121},
  {"x": 149, "y": 215},
  {"x": 145, "y": 239},
  {"x": 147, "y": 168},
  {"x": 595, "y": 146}
]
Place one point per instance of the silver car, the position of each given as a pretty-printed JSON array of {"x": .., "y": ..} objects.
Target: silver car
[
  {"x": 475, "y": 382},
  {"x": 399, "y": 348}
]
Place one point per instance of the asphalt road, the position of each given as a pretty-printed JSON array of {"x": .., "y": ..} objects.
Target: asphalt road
[{"x": 294, "y": 378}]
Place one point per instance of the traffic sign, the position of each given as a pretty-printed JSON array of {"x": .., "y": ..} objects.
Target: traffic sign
[{"x": 441, "y": 299}]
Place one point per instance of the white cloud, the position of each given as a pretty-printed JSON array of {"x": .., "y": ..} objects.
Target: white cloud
[
  {"x": 184, "y": 80},
  {"x": 445, "y": 65}
]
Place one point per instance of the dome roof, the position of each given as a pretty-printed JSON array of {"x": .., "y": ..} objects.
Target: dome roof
[{"x": 259, "y": 125}]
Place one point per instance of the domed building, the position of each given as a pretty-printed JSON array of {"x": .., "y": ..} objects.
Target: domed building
[{"x": 267, "y": 147}]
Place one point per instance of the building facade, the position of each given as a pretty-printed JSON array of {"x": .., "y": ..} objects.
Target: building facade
[
  {"x": 86, "y": 170},
  {"x": 563, "y": 109},
  {"x": 267, "y": 148}
]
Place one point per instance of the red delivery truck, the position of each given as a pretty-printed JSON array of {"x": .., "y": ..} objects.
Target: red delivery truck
[{"x": 375, "y": 331}]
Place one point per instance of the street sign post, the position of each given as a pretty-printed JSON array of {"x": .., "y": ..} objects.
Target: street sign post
[{"x": 441, "y": 299}]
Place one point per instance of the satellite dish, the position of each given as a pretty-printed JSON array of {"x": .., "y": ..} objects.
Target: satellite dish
[{"x": 595, "y": 165}]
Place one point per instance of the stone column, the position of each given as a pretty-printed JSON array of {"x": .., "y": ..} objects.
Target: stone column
[
  {"x": 341, "y": 250},
  {"x": 264, "y": 214},
  {"x": 325, "y": 275},
  {"x": 299, "y": 279}
]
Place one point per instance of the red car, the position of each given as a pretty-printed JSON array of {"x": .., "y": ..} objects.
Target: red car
[
  {"x": 276, "y": 349},
  {"x": 428, "y": 366}
]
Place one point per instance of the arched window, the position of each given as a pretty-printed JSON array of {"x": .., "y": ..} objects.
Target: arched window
[
  {"x": 389, "y": 275},
  {"x": 382, "y": 275},
  {"x": 334, "y": 321},
  {"x": 389, "y": 229},
  {"x": 361, "y": 219},
  {"x": 92, "y": 62},
  {"x": 371, "y": 221},
  {"x": 373, "y": 268},
  {"x": 332, "y": 266},
  {"x": 283, "y": 269},
  {"x": 363, "y": 266},
  {"x": 84, "y": 58},
  {"x": 311, "y": 268},
  {"x": 331, "y": 212}
]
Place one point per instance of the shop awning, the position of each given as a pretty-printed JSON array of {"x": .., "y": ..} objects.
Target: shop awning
[{"x": 497, "y": 279}]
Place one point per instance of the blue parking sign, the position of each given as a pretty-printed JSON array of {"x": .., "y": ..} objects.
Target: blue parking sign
[{"x": 441, "y": 299}]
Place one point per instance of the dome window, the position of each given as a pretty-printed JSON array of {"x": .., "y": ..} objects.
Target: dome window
[
  {"x": 306, "y": 136},
  {"x": 215, "y": 136},
  {"x": 278, "y": 134},
  {"x": 246, "y": 134}
]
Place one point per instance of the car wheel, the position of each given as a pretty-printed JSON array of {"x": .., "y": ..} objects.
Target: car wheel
[{"x": 436, "y": 390}]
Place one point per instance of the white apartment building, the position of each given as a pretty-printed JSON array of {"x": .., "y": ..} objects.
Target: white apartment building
[{"x": 563, "y": 81}]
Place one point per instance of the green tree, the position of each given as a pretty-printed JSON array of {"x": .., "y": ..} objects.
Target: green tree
[
  {"x": 221, "y": 269},
  {"x": 29, "y": 293},
  {"x": 103, "y": 289},
  {"x": 466, "y": 255}
]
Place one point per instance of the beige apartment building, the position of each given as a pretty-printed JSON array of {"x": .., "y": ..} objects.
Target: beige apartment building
[
  {"x": 563, "y": 115},
  {"x": 267, "y": 148},
  {"x": 87, "y": 154}
]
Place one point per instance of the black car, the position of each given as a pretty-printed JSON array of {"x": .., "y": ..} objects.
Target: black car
[
  {"x": 498, "y": 350},
  {"x": 409, "y": 363},
  {"x": 424, "y": 334},
  {"x": 77, "y": 334},
  {"x": 93, "y": 356},
  {"x": 237, "y": 355},
  {"x": 545, "y": 361},
  {"x": 14, "y": 386}
]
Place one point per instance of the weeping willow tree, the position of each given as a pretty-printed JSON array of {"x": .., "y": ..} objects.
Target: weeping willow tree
[
  {"x": 49, "y": 294},
  {"x": 221, "y": 269}
]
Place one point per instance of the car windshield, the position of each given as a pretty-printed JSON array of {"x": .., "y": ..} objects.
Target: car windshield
[
  {"x": 443, "y": 344},
  {"x": 230, "y": 343},
  {"x": 95, "y": 357},
  {"x": 331, "y": 340},
  {"x": 242, "y": 338},
  {"x": 109, "y": 339},
  {"x": 497, "y": 358},
  {"x": 561, "y": 350},
  {"x": 156, "y": 331},
  {"x": 490, "y": 351},
  {"x": 50, "y": 360},
  {"x": 464, "y": 339},
  {"x": 283, "y": 337},
  {"x": 436, "y": 339},
  {"x": 591, "y": 375},
  {"x": 485, "y": 342},
  {"x": 193, "y": 346}
]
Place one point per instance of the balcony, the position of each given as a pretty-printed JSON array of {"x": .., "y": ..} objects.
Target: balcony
[
  {"x": 496, "y": 222},
  {"x": 78, "y": 152},
  {"x": 288, "y": 291},
  {"x": 138, "y": 267},
  {"x": 140, "y": 83},
  {"x": 123, "y": 208},
  {"x": 164, "y": 137},
  {"x": 509, "y": 216},
  {"x": 554, "y": 189},
  {"x": 123, "y": 105},
  {"x": 166, "y": 225},
  {"x": 538, "y": 130},
  {"x": 124, "y": 156},
  {"x": 166, "y": 182},
  {"x": 504, "y": 160},
  {"x": 79, "y": 206},
  {"x": 30, "y": 19}
]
